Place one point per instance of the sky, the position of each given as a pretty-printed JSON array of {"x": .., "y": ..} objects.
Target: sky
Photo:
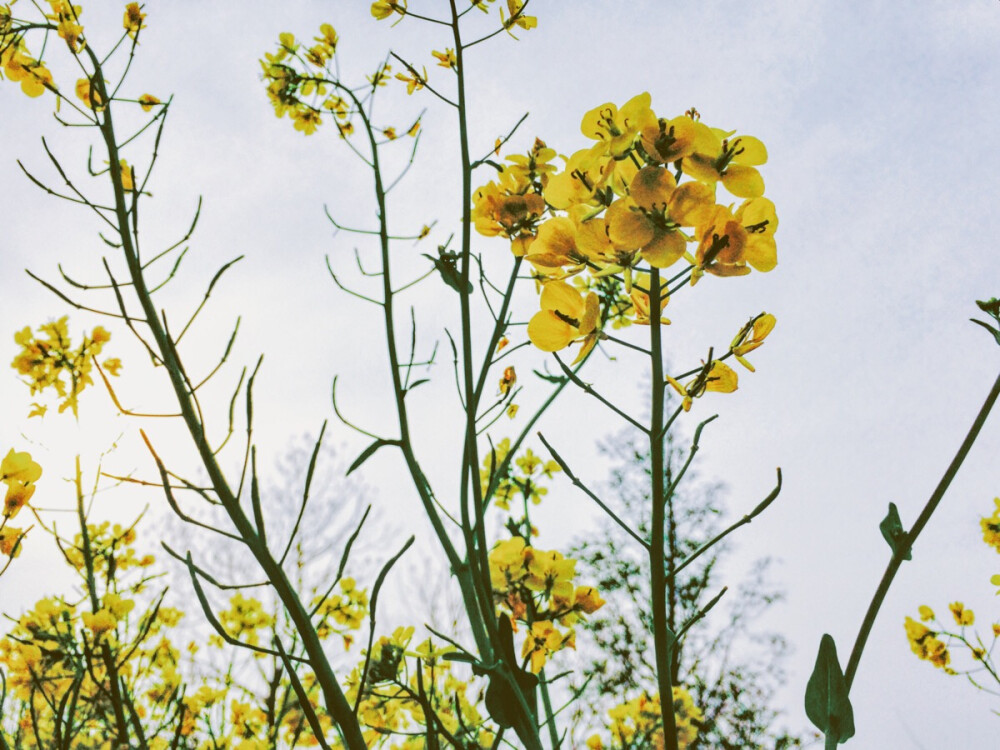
[{"x": 879, "y": 119}]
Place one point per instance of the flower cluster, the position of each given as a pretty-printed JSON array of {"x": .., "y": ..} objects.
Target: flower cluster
[
  {"x": 244, "y": 619},
  {"x": 347, "y": 610},
  {"x": 515, "y": 16},
  {"x": 49, "y": 359},
  {"x": 536, "y": 587},
  {"x": 926, "y": 645},
  {"x": 623, "y": 205},
  {"x": 61, "y": 655},
  {"x": 991, "y": 526},
  {"x": 639, "y": 723},
  {"x": 16, "y": 62},
  {"x": 305, "y": 96},
  {"x": 522, "y": 477},
  {"x": 936, "y": 644},
  {"x": 19, "y": 473},
  {"x": 409, "y": 688},
  {"x": 302, "y": 83}
]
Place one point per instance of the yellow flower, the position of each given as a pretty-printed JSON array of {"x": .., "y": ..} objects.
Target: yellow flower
[
  {"x": 516, "y": 17},
  {"x": 542, "y": 641},
  {"x": 328, "y": 38},
  {"x": 502, "y": 208},
  {"x": 585, "y": 174},
  {"x": 446, "y": 59},
  {"x": 619, "y": 129},
  {"x": 382, "y": 9},
  {"x": 641, "y": 304},
  {"x": 731, "y": 160},
  {"x": 720, "y": 378},
  {"x": 306, "y": 120},
  {"x": 508, "y": 380},
  {"x": 666, "y": 141},
  {"x": 99, "y": 622},
  {"x": 414, "y": 81},
  {"x": 751, "y": 336},
  {"x": 10, "y": 541},
  {"x": 721, "y": 241},
  {"x": 19, "y": 467},
  {"x": 566, "y": 316},
  {"x": 639, "y": 722},
  {"x": 924, "y": 643},
  {"x": 555, "y": 246},
  {"x": 18, "y": 495},
  {"x": 67, "y": 16},
  {"x": 548, "y": 571},
  {"x": 991, "y": 526},
  {"x": 128, "y": 183},
  {"x": 89, "y": 95},
  {"x": 586, "y": 599},
  {"x": 926, "y": 613},
  {"x": 133, "y": 20},
  {"x": 147, "y": 102},
  {"x": 758, "y": 218},
  {"x": 962, "y": 615},
  {"x": 33, "y": 76},
  {"x": 649, "y": 219}
]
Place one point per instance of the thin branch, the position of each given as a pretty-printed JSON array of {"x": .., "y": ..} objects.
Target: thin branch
[
  {"x": 576, "y": 481},
  {"x": 587, "y": 388},
  {"x": 305, "y": 495},
  {"x": 503, "y": 141},
  {"x": 760, "y": 508},
  {"x": 371, "y": 618}
]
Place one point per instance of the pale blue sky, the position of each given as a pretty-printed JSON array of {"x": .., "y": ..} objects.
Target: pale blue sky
[{"x": 880, "y": 120}]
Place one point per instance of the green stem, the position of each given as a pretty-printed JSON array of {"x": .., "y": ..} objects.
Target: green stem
[
  {"x": 550, "y": 717},
  {"x": 663, "y": 638},
  {"x": 911, "y": 536},
  {"x": 337, "y": 705},
  {"x": 525, "y": 724}
]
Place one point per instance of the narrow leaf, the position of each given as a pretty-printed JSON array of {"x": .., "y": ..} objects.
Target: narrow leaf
[
  {"x": 991, "y": 329},
  {"x": 367, "y": 453}
]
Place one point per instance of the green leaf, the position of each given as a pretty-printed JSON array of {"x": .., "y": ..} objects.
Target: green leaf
[
  {"x": 447, "y": 265},
  {"x": 828, "y": 705},
  {"x": 501, "y": 701},
  {"x": 991, "y": 329},
  {"x": 367, "y": 453},
  {"x": 892, "y": 530},
  {"x": 990, "y": 306},
  {"x": 467, "y": 658}
]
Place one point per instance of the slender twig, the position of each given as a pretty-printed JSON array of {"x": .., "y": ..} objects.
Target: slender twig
[
  {"x": 371, "y": 618},
  {"x": 758, "y": 509},
  {"x": 906, "y": 543},
  {"x": 576, "y": 481},
  {"x": 589, "y": 389}
]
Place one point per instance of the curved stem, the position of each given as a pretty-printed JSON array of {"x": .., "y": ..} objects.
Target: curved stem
[
  {"x": 336, "y": 701},
  {"x": 911, "y": 536}
]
